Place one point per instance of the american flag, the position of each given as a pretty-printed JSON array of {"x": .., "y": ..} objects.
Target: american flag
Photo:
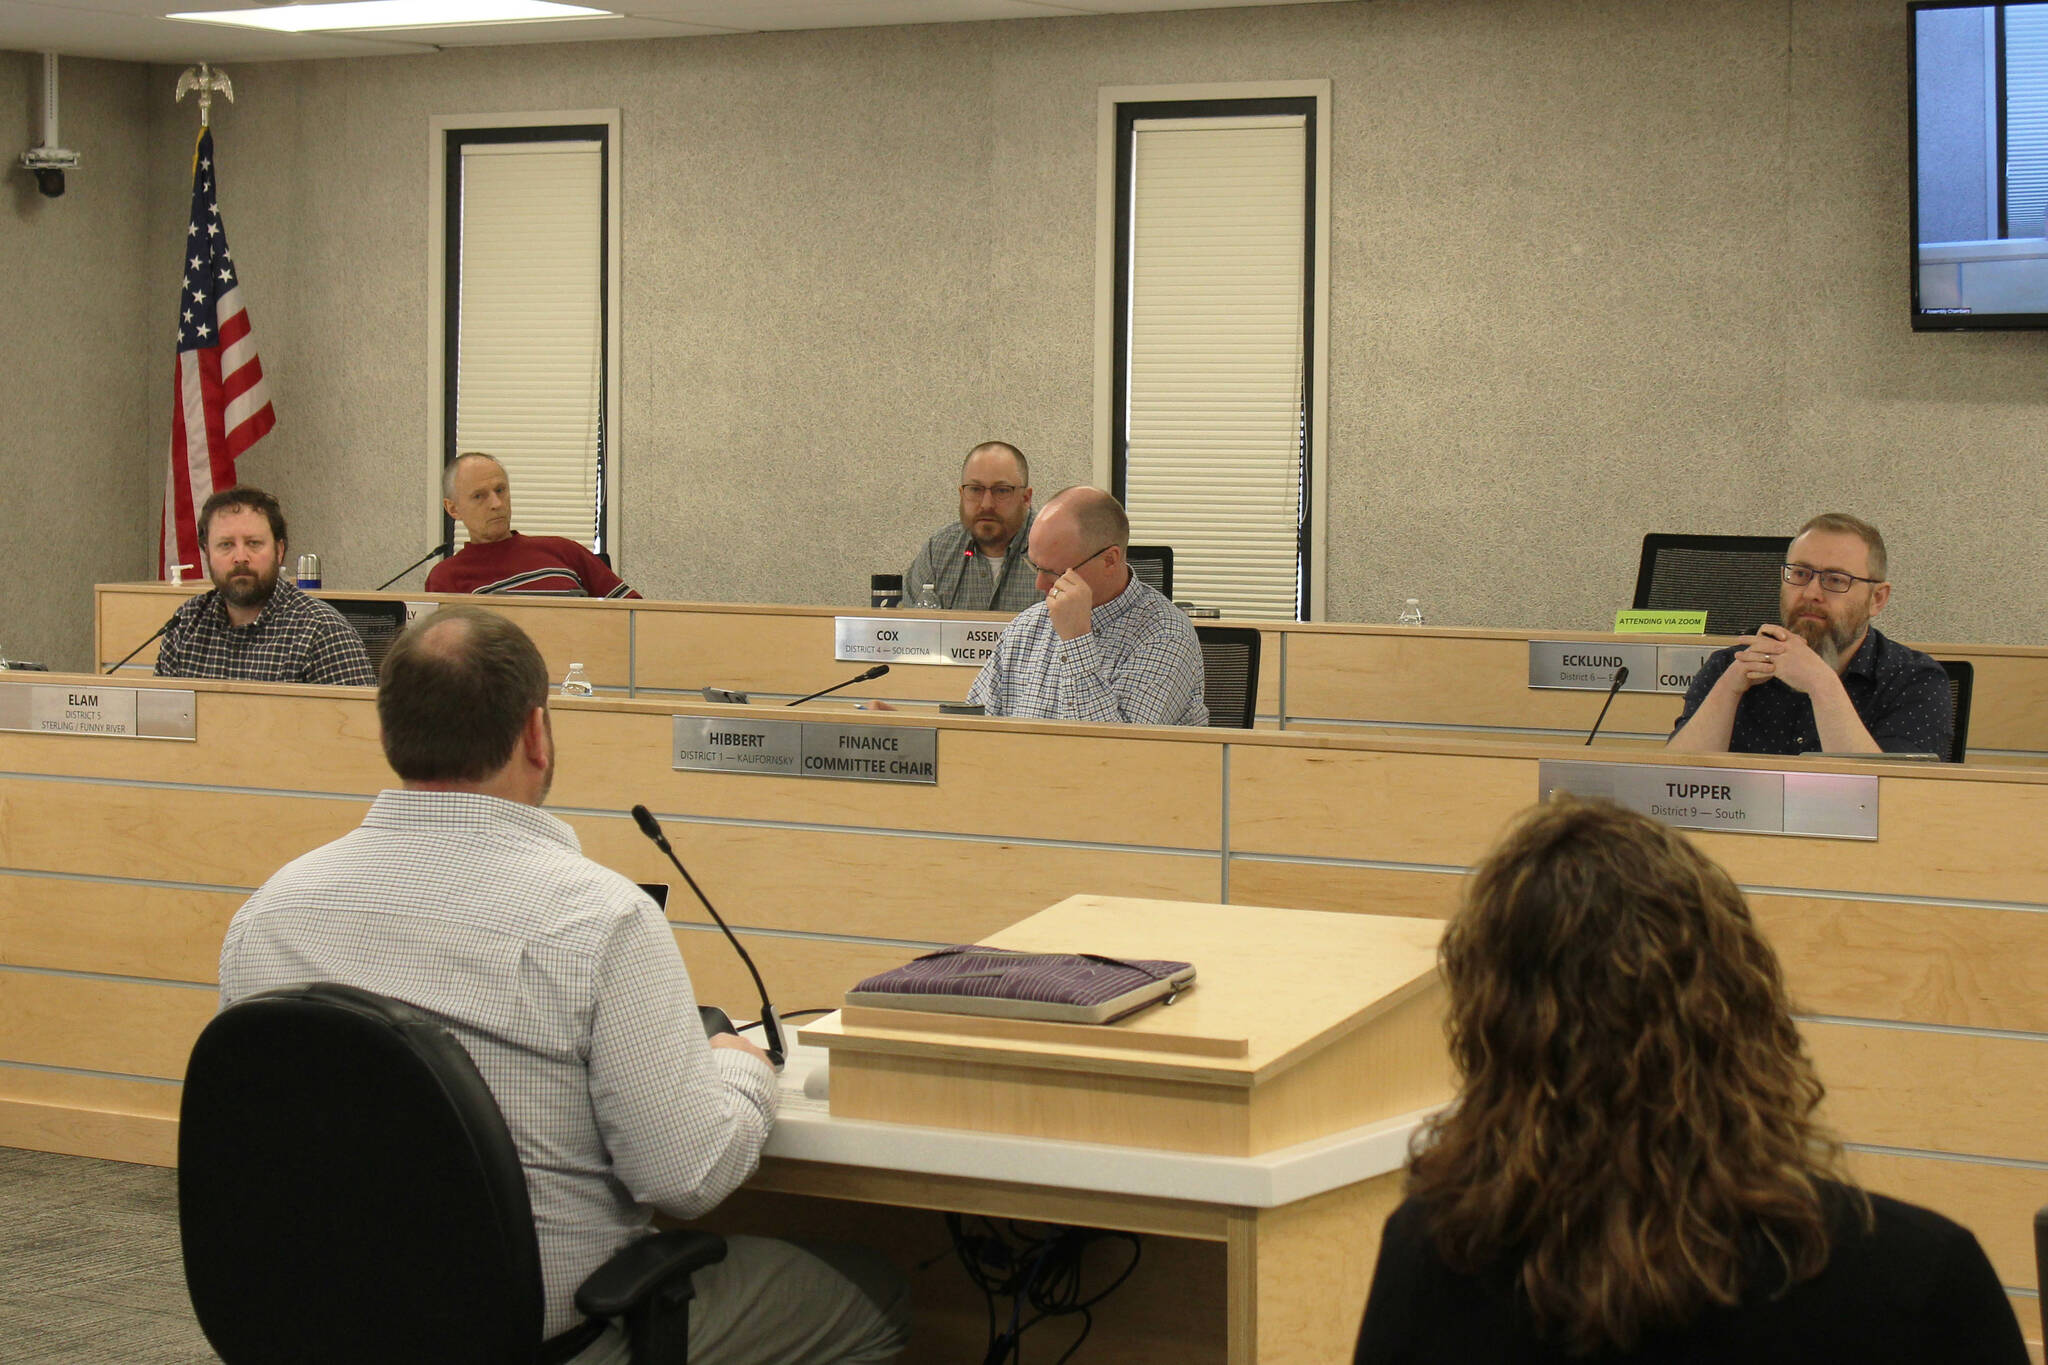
[{"x": 221, "y": 406}]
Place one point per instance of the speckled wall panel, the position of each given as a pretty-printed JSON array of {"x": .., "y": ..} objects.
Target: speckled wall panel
[
  {"x": 77, "y": 486},
  {"x": 1598, "y": 267}
]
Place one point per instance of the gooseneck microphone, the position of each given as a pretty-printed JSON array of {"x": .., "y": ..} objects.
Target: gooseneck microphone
[
  {"x": 1620, "y": 677},
  {"x": 443, "y": 550},
  {"x": 771, "y": 1027},
  {"x": 147, "y": 643},
  {"x": 877, "y": 671}
]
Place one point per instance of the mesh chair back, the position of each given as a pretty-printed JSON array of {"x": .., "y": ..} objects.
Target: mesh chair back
[
  {"x": 348, "y": 1191},
  {"x": 1230, "y": 674},
  {"x": 1734, "y": 579},
  {"x": 378, "y": 621},
  {"x": 1153, "y": 564},
  {"x": 1962, "y": 677}
]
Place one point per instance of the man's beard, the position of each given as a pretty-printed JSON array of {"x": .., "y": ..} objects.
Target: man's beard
[
  {"x": 1828, "y": 639},
  {"x": 249, "y": 589}
]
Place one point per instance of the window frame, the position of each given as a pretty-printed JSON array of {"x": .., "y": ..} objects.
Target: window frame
[
  {"x": 447, "y": 133},
  {"x": 1117, "y": 109}
]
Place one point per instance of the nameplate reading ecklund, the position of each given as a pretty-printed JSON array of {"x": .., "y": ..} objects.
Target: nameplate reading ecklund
[
  {"x": 913, "y": 640},
  {"x": 793, "y": 748},
  {"x": 1738, "y": 800},
  {"x": 90, "y": 709},
  {"x": 1583, "y": 666}
]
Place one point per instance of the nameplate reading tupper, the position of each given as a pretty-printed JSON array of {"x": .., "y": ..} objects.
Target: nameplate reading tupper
[
  {"x": 913, "y": 640},
  {"x": 1735, "y": 800},
  {"x": 1577, "y": 665},
  {"x": 797, "y": 748},
  {"x": 89, "y": 709}
]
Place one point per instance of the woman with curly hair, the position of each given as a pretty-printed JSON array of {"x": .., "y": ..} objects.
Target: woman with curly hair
[{"x": 1631, "y": 1170}]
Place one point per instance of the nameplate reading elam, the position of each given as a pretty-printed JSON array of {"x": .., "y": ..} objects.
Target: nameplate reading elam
[
  {"x": 1589, "y": 666},
  {"x": 1732, "y": 800},
  {"x": 87, "y": 708},
  {"x": 794, "y": 748},
  {"x": 914, "y": 640}
]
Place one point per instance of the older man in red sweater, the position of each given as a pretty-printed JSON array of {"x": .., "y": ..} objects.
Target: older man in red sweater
[{"x": 476, "y": 493}]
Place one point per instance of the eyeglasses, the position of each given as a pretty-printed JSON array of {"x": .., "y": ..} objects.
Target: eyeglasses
[
  {"x": 1055, "y": 573},
  {"x": 1003, "y": 491},
  {"x": 1833, "y": 580}
]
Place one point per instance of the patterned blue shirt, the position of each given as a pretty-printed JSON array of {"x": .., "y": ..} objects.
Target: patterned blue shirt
[
  {"x": 1139, "y": 664},
  {"x": 1900, "y": 694}
]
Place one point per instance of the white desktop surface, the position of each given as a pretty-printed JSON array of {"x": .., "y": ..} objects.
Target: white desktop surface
[{"x": 806, "y": 1131}]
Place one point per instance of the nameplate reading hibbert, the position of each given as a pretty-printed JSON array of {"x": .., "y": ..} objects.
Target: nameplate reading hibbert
[
  {"x": 1737, "y": 800},
  {"x": 90, "y": 709},
  {"x": 793, "y": 748}
]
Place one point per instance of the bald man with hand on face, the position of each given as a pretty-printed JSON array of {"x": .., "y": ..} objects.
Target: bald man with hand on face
[{"x": 1102, "y": 646}]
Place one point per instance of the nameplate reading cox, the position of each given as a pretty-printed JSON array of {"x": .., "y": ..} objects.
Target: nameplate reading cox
[
  {"x": 1582, "y": 666},
  {"x": 801, "y": 748},
  {"x": 913, "y": 640},
  {"x": 1735, "y": 800},
  {"x": 89, "y": 709}
]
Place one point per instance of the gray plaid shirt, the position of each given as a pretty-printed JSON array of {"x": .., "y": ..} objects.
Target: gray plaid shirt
[
  {"x": 563, "y": 982},
  {"x": 296, "y": 639},
  {"x": 1139, "y": 664}
]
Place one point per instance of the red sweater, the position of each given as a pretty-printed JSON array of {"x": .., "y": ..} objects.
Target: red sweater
[{"x": 546, "y": 565}]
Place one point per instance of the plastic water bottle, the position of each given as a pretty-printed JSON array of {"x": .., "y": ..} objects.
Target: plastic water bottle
[
  {"x": 928, "y": 597},
  {"x": 577, "y": 684},
  {"x": 1411, "y": 613}
]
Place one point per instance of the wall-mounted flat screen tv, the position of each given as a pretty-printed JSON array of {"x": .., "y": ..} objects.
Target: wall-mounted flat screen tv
[{"x": 1979, "y": 137}]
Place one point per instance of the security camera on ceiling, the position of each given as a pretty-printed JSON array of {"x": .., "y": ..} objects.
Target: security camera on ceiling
[{"x": 49, "y": 161}]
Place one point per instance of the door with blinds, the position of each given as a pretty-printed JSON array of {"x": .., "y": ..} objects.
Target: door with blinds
[
  {"x": 1210, "y": 439},
  {"x": 525, "y": 335}
]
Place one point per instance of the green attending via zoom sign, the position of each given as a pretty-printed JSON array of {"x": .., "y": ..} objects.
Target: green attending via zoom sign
[{"x": 1630, "y": 621}]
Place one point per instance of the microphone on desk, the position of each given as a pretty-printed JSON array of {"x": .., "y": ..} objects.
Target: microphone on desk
[
  {"x": 147, "y": 643},
  {"x": 1620, "y": 677},
  {"x": 443, "y": 550},
  {"x": 771, "y": 1027},
  {"x": 877, "y": 671}
]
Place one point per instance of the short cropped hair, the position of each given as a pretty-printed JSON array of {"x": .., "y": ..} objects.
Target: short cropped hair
[
  {"x": 448, "y": 471},
  {"x": 1023, "y": 465},
  {"x": 1841, "y": 523},
  {"x": 454, "y": 694},
  {"x": 242, "y": 498},
  {"x": 1098, "y": 516}
]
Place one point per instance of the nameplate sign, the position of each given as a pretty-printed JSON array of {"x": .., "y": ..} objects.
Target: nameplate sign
[
  {"x": 801, "y": 748},
  {"x": 1576, "y": 665},
  {"x": 914, "y": 640},
  {"x": 89, "y": 709},
  {"x": 1733, "y": 800}
]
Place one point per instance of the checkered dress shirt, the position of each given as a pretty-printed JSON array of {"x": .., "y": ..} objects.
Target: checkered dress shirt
[
  {"x": 1139, "y": 664},
  {"x": 562, "y": 980},
  {"x": 296, "y": 639}
]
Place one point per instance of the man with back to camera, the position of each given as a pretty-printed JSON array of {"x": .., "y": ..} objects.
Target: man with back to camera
[
  {"x": 974, "y": 565},
  {"x": 1102, "y": 646},
  {"x": 476, "y": 492},
  {"x": 460, "y": 897},
  {"x": 256, "y": 625},
  {"x": 1824, "y": 678}
]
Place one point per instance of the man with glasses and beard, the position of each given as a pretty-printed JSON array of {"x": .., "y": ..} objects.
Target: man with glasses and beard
[
  {"x": 1824, "y": 678},
  {"x": 253, "y": 625},
  {"x": 973, "y": 564}
]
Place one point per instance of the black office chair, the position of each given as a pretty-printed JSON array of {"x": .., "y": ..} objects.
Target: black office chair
[
  {"x": 1734, "y": 579},
  {"x": 379, "y": 621},
  {"x": 1962, "y": 677},
  {"x": 2041, "y": 1260},
  {"x": 1230, "y": 674},
  {"x": 348, "y": 1192},
  {"x": 1153, "y": 564}
]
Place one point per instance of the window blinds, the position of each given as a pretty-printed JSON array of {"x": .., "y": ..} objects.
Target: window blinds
[
  {"x": 2026, "y": 119},
  {"x": 1216, "y": 388},
  {"x": 530, "y": 362}
]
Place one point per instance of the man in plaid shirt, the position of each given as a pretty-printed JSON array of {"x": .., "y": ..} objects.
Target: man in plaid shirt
[{"x": 256, "y": 625}]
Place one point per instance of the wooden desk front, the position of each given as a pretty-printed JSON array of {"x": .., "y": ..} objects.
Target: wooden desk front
[{"x": 1918, "y": 960}]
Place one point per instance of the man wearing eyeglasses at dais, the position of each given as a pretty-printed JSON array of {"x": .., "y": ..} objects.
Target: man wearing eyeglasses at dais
[
  {"x": 1102, "y": 646},
  {"x": 974, "y": 564},
  {"x": 1824, "y": 678}
]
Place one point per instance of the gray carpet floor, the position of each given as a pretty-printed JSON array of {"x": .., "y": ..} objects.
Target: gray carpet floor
[{"x": 89, "y": 1266}]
